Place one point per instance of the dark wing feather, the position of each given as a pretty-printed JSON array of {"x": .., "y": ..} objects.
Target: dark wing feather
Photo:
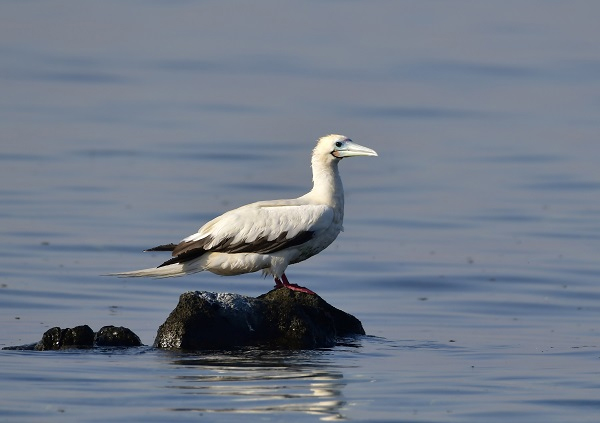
[
  {"x": 187, "y": 251},
  {"x": 165, "y": 247},
  {"x": 183, "y": 257},
  {"x": 263, "y": 245}
]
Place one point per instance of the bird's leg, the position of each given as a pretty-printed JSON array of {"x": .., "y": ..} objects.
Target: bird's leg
[
  {"x": 293, "y": 286},
  {"x": 278, "y": 283}
]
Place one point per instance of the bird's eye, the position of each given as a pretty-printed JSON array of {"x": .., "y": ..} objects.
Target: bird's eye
[{"x": 339, "y": 144}]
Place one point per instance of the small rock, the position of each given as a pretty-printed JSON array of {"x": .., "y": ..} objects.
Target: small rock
[
  {"x": 58, "y": 339},
  {"x": 280, "y": 319},
  {"x": 113, "y": 336},
  {"x": 82, "y": 337}
]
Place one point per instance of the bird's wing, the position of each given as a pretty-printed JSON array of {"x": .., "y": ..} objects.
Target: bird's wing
[{"x": 257, "y": 228}]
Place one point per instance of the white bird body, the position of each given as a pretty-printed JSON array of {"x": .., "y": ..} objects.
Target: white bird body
[{"x": 268, "y": 235}]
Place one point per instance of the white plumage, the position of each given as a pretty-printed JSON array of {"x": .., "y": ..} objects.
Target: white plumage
[{"x": 268, "y": 235}]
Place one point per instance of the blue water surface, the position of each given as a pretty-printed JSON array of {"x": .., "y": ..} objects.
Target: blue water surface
[{"x": 470, "y": 250}]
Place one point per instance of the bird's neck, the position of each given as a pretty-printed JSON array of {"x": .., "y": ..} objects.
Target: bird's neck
[{"x": 327, "y": 184}]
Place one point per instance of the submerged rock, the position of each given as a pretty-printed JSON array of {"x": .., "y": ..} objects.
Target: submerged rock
[
  {"x": 113, "y": 336},
  {"x": 82, "y": 337},
  {"x": 280, "y": 319},
  {"x": 58, "y": 339}
]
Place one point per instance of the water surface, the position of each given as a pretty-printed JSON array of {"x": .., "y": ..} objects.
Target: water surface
[{"x": 470, "y": 250}]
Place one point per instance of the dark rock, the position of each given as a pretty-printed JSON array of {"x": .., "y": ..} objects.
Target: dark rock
[
  {"x": 81, "y": 337},
  {"x": 297, "y": 320},
  {"x": 58, "y": 339},
  {"x": 280, "y": 319},
  {"x": 113, "y": 336},
  {"x": 207, "y": 320}
]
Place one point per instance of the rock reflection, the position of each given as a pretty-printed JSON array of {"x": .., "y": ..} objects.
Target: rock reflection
[{"x": 253, "y": 381}]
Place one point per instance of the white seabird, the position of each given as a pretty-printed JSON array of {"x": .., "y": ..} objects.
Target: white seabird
[{"x": 268, "y": 235}]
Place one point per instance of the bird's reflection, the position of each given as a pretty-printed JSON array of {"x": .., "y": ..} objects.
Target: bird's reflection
[{"x": 258, "y": 381}]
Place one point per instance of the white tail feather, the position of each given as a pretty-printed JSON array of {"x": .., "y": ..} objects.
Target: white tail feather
[
  {"x": 169, "y": 271},
  {"x": 172, "y": 270}
]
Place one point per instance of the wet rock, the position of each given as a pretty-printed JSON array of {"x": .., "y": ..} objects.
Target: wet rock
[
  {"x": 280, "y": 319},
  {"x": 82, "y": 337},
  {"x": 113, "y": 336},
  {"x": 58, "y": 339},
  {"x": 297, "y": 320}
]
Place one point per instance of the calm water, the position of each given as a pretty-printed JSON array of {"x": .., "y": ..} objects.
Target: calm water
[{"x": 471, "y": 245}]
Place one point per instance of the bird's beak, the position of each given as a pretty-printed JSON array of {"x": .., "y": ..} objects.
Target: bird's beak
[{"x": 352, "y": 149}]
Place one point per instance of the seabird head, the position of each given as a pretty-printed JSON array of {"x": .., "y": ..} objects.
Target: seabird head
[{"x": 340, "y": 146}]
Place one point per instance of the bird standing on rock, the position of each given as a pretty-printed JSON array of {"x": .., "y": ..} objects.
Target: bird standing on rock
[{"x": 268, "y": 235}]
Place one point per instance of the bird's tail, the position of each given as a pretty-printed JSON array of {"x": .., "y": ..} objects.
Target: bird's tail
[{"x": 172, "y": 270}]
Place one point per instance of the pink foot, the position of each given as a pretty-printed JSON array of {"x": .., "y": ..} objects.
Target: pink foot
[{"x": 291, "y": 286}]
